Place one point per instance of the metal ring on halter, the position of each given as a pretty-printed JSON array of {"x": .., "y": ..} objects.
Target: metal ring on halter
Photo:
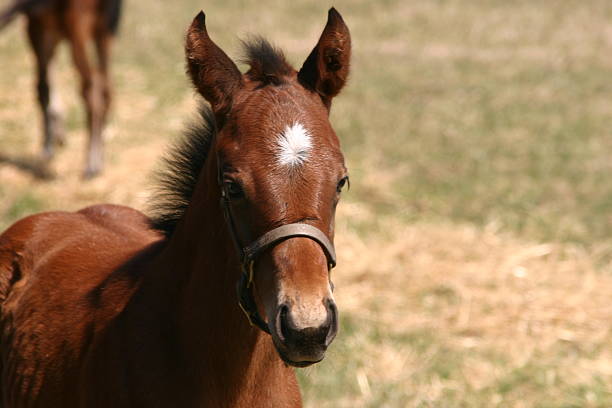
[{"x": 246, "y": 300}]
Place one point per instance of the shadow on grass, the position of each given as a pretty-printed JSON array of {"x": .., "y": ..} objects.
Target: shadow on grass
[{"x": 36, "y": 167}]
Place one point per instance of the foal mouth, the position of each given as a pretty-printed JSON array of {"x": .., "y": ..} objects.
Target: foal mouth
[
  {"x": 298, "y": 364},
  {"x": 301, "y": 364}
]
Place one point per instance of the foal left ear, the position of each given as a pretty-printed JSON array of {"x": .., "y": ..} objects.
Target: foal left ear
[
  {"x": 326, "y": 69},
  {"x": 212, "y": 72}
]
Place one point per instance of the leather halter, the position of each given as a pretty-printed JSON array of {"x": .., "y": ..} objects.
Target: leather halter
[{"x": 248, "y": 255}]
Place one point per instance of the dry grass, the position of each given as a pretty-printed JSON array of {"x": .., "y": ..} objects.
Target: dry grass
[
  {"x": 475, "y": 244},
  {"x": 457, "y": 315}
]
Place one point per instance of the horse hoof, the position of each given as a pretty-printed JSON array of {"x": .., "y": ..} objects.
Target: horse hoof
[
  {"x": 59, "y": 140},
  {"x": 46, "y": 155},
  {"x": 43, "y": 171},
  {"x": 91, "y": 174}
]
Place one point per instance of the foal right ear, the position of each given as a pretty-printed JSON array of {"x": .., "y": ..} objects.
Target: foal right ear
[
  {"x": 212, "y": 72},
  {"x": 326, "y": 69}
]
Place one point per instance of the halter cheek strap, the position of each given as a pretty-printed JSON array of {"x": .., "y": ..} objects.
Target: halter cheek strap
[{"x": 249, "y": 254}]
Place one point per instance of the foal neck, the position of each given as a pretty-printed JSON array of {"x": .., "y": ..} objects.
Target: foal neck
[{"x": 225, "y": 354}]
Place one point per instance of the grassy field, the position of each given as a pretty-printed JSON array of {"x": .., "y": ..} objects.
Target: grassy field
[{"x": 475, "y": 244}]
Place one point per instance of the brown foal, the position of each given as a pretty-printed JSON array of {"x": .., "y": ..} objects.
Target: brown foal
[
  {"x": 106, "y": 307},
  {"x": 81, "y": 22}
]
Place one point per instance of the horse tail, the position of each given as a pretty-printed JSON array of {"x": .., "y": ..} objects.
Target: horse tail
[
  {"x": 19, "y": 6},
  {"x": 113, "y": 15}
]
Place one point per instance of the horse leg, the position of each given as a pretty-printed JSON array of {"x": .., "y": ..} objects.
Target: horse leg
[
  {"x": 80, "y": 32},
  {"x": 103, "y": 41},
  {"x": 44, "y": 39}
]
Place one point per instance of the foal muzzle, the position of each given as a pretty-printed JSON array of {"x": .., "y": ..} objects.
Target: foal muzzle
[{"x": 249, "y": 254}]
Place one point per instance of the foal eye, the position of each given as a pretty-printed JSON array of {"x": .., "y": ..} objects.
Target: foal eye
[
  {"x": 342, "y": 183},
  {"x": 233, "y": 189}
]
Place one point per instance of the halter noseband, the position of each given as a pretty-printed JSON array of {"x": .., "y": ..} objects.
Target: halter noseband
[{"x": 248, "y": 256}]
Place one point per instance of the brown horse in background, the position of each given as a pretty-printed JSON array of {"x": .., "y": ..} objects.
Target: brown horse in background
[
  {"x": 108, "y": 308},
  {"x": 81, "y": 22}
]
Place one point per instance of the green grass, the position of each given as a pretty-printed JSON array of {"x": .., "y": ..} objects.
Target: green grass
[
  {"x": 24, "y": 204},
  {"x": 513, "y": 131}
]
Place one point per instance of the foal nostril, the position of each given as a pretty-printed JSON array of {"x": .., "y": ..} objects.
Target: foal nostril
[
  {"x": 332, "y": 321},
  {"x": 282, "y": 321}
]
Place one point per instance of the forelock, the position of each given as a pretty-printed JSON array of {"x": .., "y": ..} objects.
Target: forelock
[{"x": 267, "y": 63}]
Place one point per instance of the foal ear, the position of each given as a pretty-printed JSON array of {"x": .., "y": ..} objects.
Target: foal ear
[
  {"x": 212, "y": 72},
  {"x": 326, "y": 69}
]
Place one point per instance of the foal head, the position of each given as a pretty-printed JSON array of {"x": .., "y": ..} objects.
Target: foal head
[{"x": 279, "y": 162}]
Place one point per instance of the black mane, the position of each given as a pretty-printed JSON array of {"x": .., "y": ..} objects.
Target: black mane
[
  {"x": 182, "y": 166},
  {"x": 179, "y": 175}
]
